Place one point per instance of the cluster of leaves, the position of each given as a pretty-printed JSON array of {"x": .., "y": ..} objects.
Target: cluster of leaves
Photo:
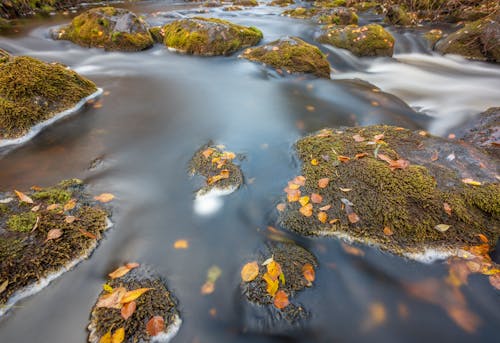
[{"x": 218, "y": 159}]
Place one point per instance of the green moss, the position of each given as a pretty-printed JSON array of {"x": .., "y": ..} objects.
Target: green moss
[
  {"x": 23, "y": 222},
  {"x": 209, "y": 36},
  {"x": 292, "y": 55},
  {"x": 338, "y": 16},
  {"x": 281, "y": 3},
  {"x": 433, "y": 36},
  {"x": 32, "y": 91},
  {"x": 96, "y": 28},
  {"x": 157, "y": 34},
  {"x": 368, "y": 40},
  {"x": 397, "y": 15},
  {"x": 246, "y": 3},
  {"x": 53, "y": 195}
]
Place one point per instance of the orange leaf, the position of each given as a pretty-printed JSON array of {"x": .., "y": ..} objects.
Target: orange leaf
[
  {"x": 118, "y": 336},
  {"x": 292, "y": 185},
  {"x": 23, "y": 197},
  {"x": 293, "y": 195},
  {"x": 378, "y": 137},
  {"x": 155, "y": 326},
  {"x": 388, "y": 231},
  {"x": 353, "y": 217},
  {"x": 360, "y": 155},
  {"x": 53, "y": 207},
  {"x": 333, "y": 221},
  {"x": 435, "y": 156},
  {"x": 281, "y": 300},
  {"x": 69, "y": 219},
  {"x": 299, "y": 180},
  {"x": 181, "y": 244},
  {"x": 113, "y": 299},
  {"x": 322, "y": 217},
  {"x": 104, "y": 197},
  {"x": 352, "y": 250},
  {"x": 272, "y": 285},
  {"x": 53, "y": 234},
  {"x": 123, "y": 270},
  {"x": 87, "y": 234},
  {"x": 306, "y": 210},
  {"x": 132, "y": 295},
  {"x": 325, "y": 208},
  {"x": 308, "y": 272},
  {"x": 128, "y": 309},
  {"x": 447, "y": 208},
  {"x": 250, "y": 271},
  {"x": 281, "y": 207},
  {"x": 316, "y": 198},
  {"x": 343, "y": 159},
  {"x": 483, "y": 238},
  {"x": 399, "y": 164},
  {"x": 323, "y": 183},
  {"x": 385, "y": 158},
  {"x": 358, "y": 138},
  {"x": 207, "y": 288},
  {"x": 70, "y": 205},
  {"x": 207, "y": 152}
]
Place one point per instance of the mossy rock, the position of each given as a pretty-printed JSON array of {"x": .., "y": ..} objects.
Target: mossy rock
[
  {"x": 364, "y": 6},
  {"x": 410, "y": 202},
  {"x": 433, "y": 36},
  {"x": 157, "y": 34},
  {"x": 217, "y": 166},
  {"x": 212, "y": 4},
  {"x": 109, "y": 28},
  {"x": 397, "y": 15},
  {"x": 32, "y": 91},
  {"x": 245, "y": 3},
  {"x": 281, "y": 3},
  {"x": 368, "y": 40},
  {"x": 291, "y": 258},
  {"x": 27, "y": 257},
  {"x": 337, "y": 15},
  {"x": 209, "y": 36},
  {"x": 330, "y": 3},
  {"x": 158, "y": 301},
  {"x": 478, "y": 40},
  {"x": 292, "y": 55},
  {"x": 232, "y": 8},
  {"x": 22, "y": 8}
]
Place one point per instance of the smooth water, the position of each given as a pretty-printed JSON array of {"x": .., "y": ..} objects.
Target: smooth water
[{"x": 159, "y": 107}]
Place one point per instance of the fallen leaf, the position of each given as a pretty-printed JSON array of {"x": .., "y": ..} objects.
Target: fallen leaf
[
  {"x": 104, "y": 197},
  {"x": 447, "y": 208},
  {"x": 71, "y": 204},
  {"x": 69, "y": 219},
  {"x": 442, "y": 227},
  {"x": 181, "y": 244},
  {"x": 314, "y": 162},
  {"x": 306, "y": 210},
  {"x": 308, "y": 272},
  {"x": 304, "y": 200},
  {"x": 53, "y": 234},
  {"x": 118, "y": 336},
  {"x": 299, "y": 180},
  {"x": 352, "y": 250},
  {"x": 207, "y": 288},
  {"x": 273, "y": 269},
  {"x": 128, "y": 309},
  {"x": 378, "y": 137},
  {"x": 316, "y": 198},
  {"x": 23, "y": 197},
  {"x": 358, "y": 138},
  {"x": 113, "y": 299},
  {"x": 272, "y": 285},
  {"x": 451, "y": 136},
  {"x": 483, "y": 238},
  {"x": 310, "y": 108},
  {"x": 385, "y": 158},
  {"x": 345, "y": 189},
  {"x": 36, "y": 188},
  {"x": 224, "y": 174},
  {"x": 388, "y": 231},
  {"x": 323, "y": 183},
  {"x": 53, "y": 207},
  {"x": 495, "y": 281},
  {"x": 36, "y": 224},
  {"x": 333, "y": 221},
  {"x": 293, "y": 186},
  {"x": 360, "y": 155},
  {"x": 132, "y": 295},
  {"x": 467, "y": 320},
  {"x": 470, "y": 181},
  {"x": 123, "y": 270},
  {"x": 322, "y": 217},
  {"x": 399, "y": 164},
  {"x": 281, "y": 300},
  {"x": 343, "y": 159},
  {"x": 281, "y": 207},
  {"x": 325, "y": 208},
  {"x": 107, "y": 288},
  {"x": 106, "y": 338},
  {"x": 377, "y": 315},
  {"x": 435, "y": 156},
  {"x": 250, "y": 271},
  {"x": 353, "y": 218},
  {"x": 36, "y": 208},
  {"x": 155, "y": 326},
  {"x": 87, "y": 234},
  {"x": 293, "y": 195},
  {"x": 3, "y": 286}
]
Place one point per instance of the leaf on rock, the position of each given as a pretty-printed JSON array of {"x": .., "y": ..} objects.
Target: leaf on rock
[
  {"x": 281, "y": 300},
  {"x": 53, "y": 234},
  {"x": 274, "y": 269},
  {"x": 293, "y": 195},
  {"x": 343, "y": 159},
  {"x": 308, "y": 272},
  {"x": 483, "y": 238},
  {"x": 325, "y": 208},
  {"x": 106, "y": 338},
  {"x": 224, "y": 174},
  {"x": 442, "y": 227},
  {"x": 155, "y": 326},
  {"x": 470, "y": 181},
  {"x": 35, "y": 208},
  {"x": 71, "y": 204},
  {"x": 132, "y": 295},
  {"x": 53, "y": 207},
  {"x": 360, "y": 155},
  {"x": 314, "y": 162},
  {"x": 495, "y": 281},
  {"x": 323, "y": 183},
  {"x": 3, "y": 286},
  {"x": 118, "y": 336},
  {"x": 322, "y": 217},
  {"x": 250, "y": 271},
  {"x": 69, "y": 219},
  {"x": 316, "y": 198},
  {"x": 207, "y": 152},
  {"x": 378, "y": 137},
  {"x": 388, "y": 231},
  {"x": 299, "y": 180},
  {"x": 306, "y": 210},
  {"x": 123, "y": 270},
  {"x": 447, "y": 208},
  {"x": 113, "y": 299},
  {"x": 87, "y": 234},
  {"x": 304, "y": 200},
  {"x": 272, "y": 285},
  {"x": 435, "y": 156},
  {"x": 104, "y": 197},
  {"x": 23, "y": 197},
  {"x": 353, "y": 218}
]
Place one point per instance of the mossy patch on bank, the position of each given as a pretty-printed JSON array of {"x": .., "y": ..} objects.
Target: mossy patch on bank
[
  {"x": 364, "y": 196},
  {"x": 209, "y": 36},
  {"x": 32, "y": 91},
  {"x": 22, "y": 8},
  {"x": 336, "y": 15},
  {"x": 27, "y": 254},
  {"x": 291, "y": 55}
]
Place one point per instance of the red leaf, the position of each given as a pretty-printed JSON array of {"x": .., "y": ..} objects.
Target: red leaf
[
  {"x": 155, "y": 326},
  {"x": 128, "y": 309}
]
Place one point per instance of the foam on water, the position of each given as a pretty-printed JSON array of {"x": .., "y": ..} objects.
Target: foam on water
[{"x": 208, "y": 203}]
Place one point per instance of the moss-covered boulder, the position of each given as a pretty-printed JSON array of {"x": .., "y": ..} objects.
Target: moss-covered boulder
[
  {"x": 245, "y": 3},
  {"x": 232, "y": 8},
  {"x": 408, "y": 192},
  {"x": 22, "y": 8},
  {"x": 109, "y": 28},
  {"x": 337, "y": 15},
  {"x": 151, "y": 317},
  {"x": 368, "y": 40},
  {"x": 43, "y": 233},
  {"x": 209, "y": 36},
  {"x": 32, "y": 91},
  {"x": 291, "y": 55},
  {"x": 278, "y": 274},
  {"x": 217, "y": 166},
  {"x": 433, "y": 36},
  {"x": 478, "y": 40}
]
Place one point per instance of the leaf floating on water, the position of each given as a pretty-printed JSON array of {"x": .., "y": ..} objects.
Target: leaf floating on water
[
  {"x": 70, "y": 205},
  {"x": 309, "y": 273},
  {"x": 352, "y": 250},
  {"x": 104, "y": 197},
  {"x": 132, "y": 295},
  {"x": 118, "y": 336},
  {"x": 322, "y": 217},
  {"x": 3, "y": 286},
  {"x": 470, "y": 181},
  {"x": 207, "y": 288},
  {"x": 155, "y": 326},
  {"x": 181, "y": 244},
  {"x": 281, "y": 300},
  {"x": 388, "y": 231},
  {"x": 123, "y": 270},
  {"x": 306, "y": 210},
  {"x": 377, "y": 316},
  {"x": 53, "y": 234},
  {"x": 23, "y": 197},
  {"x": 250, "y": 271},
  {"x": 447, "y": 208},
  {"x": 323, "y": 183},
  {"x": 113, "y": 299},
  {"x": 316, "y": 198},
  {"x": 358, "y": 138},
  {"x": 467, "y": 320},
  {"x": 442, "y": 227}
]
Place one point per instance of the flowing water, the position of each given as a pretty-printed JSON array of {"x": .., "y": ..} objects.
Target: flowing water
[{"x": 160, "y": 107}]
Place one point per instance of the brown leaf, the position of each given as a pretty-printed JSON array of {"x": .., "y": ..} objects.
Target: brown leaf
[
  {"x": 322, "y": 217},
  {"x": 123, "y": 270},
  {"x": 353, "y": 217},
  {"x": 360, "y": 155},
  {"x": 250, "y": 271},
  {"x": 207, "y": 288},
  {"x": 71, "y": 204},
  {"x": 128, "y": 309},
  {"x": 399, "y": 164},
  {"x": 3, "y": 286},
  {"x": 316, "y": 198},
  {"x": 388, "y": 231},
  {"x": 155, "y": 326},
  {"x": 113, "y": 299},
  {"x": 181, "y": 244},
  {"x": 207, "y": 152},
  {"x": 104, "y": 197},
  {"x": 378, "y": 137},
  {"x": 281, "y": 207},
  {"x": 53, "y": 207},
  {"x": 132, "y": 295},
  {"x": 323, "y": 183},
  {"x": 23, "y": 197},
  {"x": 36, "y": 208},
  {"x": 358, "y": 138},
  {"x": 308, "y": 272},
  {"x": 281, "y": 300},
  {"x": 343, "y": 159},
  {"x": 53, "y": 234},
  {"x": 299, "y": 180},
  {"x": 118, "y": 336},
  {"x": 69, "y": 219},
  {"x": 385, "y": 158},
  {"x": 447, "y": 208},
  {"x": 87, "y": 234},
  {"x": 435, "y": 156},
  {"x": 306, "y": 210}
]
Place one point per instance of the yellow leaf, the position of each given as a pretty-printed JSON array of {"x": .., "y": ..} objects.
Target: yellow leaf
[
  {"x": 470, "y": 181},
  {"x": 70, "y": 205},
  {"x": 104, "y": 197},
  {"x": 123, "y": 270},
  {"x": 272, "y": 285},
  {"x": 118, "y": 336},
  {"x": 304, "y": 200},
  {"x": 181, "y": 244},
  {"x": 132, "y": 295},
  {"x": 106, "y": 338},
  {"x": 273, "y": 269},
  {"x": 306, "y": 210},
  {"x": 314, "y": 162},
  {"x": 250, "y": 271},
  {"x": 107, "y": 288},
  {"x": 23, "y": 197},
  {"x": 442, "y": 227}
]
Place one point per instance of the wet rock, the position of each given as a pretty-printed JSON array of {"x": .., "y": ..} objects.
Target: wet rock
[
  {"x": 245, "y": 3},
  {"x": 212, "y": 4},
  {"x": 157, "y": 33},
  {"x": 291, "y": 258},
  {"x": 32, "y": 91},
  {"x": 232, "y": 8},
  {"x": 368, "y": 6},
  {"x": 281, "y": 3},
  {"x": 483, "y": 131},
  {"x": 109, "y": 28},
  {"x": 477, "y": 40},
  {"x": 158, "y": 301},
  {"x": 218, "y": 168},
  {"x": 337, "y": 15},
  {"x": 22, "y": 8},
  {"x": 433, "y": 36},
  {"x": 292, "y": 55},
  {"x": 368, "y": 40},
  {"x": 29, "y": 260},
  {"x": 209, "y": 36},
  {"x": 421, "y": 195},
  {"x": 396, "y": 15}
]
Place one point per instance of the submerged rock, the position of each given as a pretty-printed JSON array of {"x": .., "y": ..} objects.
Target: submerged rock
[
  {"x": 292, "y": 55},
  {"x": 32, "y": 92},
  {"x": 109, "y": 28},
  {"x": 420, "y": 194},
  {"x": 368, "y": 40},
  {"x": 336, "y": 15},
  {"x": 41, "y": 240},
  {"x": 209, "y": 36},
  {"x": 478, "y": 40},
  {"x": 217, "y": 167},
  {"x": 157, "y": 302}
]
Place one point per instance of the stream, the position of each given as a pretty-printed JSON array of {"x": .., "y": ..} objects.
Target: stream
[{"x": 159, "y": 107}]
